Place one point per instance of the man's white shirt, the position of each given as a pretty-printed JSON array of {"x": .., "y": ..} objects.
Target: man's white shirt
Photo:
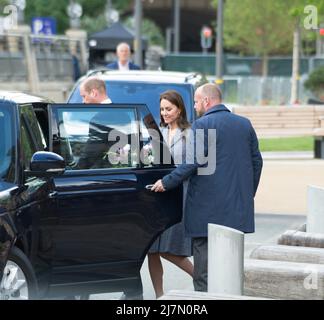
[
  {"x": 107, "y": 101},
  {"x": 123, "y": 67}
]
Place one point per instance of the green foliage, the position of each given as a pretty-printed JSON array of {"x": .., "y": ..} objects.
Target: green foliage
[
  {"x": 48, "y": 8},
  {"x": 93, "y": 24},
  {"x": 257, "y": 27},
  {"x": 149, "y": 29},
  {"x": 93, "y": 8},
  {"x": 3, "y": 3},
  {"x": 92, "y": 20},
  {"x": 264, "y": 27},
  {"x": 315, "y": 81}
]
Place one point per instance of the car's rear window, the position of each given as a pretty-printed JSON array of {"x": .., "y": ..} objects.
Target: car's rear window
[
  {"x": 144, "y": 93},
  {"x": 7, "y": 144}
]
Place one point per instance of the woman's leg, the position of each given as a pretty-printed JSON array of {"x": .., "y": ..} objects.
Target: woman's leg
[
  {"x": 182, "y": 262},
  {"x": 156, "y": 272}
]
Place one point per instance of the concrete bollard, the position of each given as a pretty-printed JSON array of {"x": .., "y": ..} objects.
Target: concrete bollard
[
  {"x": 315, "y": 215},
  {"x": 225, "y": 260}
]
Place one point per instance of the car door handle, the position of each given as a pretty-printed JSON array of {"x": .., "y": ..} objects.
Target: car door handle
[
  {"x": 149, "y": 186},
  {"x": 52, "y": 195}
]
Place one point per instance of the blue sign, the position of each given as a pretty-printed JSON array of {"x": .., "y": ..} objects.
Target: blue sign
[{"x": 44, "y": 26}]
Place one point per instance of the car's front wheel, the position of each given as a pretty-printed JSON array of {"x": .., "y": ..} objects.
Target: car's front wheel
[{"x": 18, "y": 281}]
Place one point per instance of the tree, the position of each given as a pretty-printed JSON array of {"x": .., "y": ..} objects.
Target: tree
[
  {"x": 3, "y": 3},
  {"x": 315, "y": 82},
  {"x": 149, "y": 29},
  {"x": 266, "y": 27},
  {"x": 297, "y": 12},
  {"x": 258, "y": 27},
  {"x": 51, "y": 8}
]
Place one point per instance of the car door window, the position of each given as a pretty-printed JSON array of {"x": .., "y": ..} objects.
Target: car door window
[
  {"x": 96, "y": 137},
  {"x": 7, "y": 145},
  {"x": 32, "y": 139},
  {"x": 27, "y": 146},
  {"x": 36, "y": 135}
]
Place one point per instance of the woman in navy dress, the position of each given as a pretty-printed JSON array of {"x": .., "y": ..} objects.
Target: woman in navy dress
[{"x": 172, "y": 244}]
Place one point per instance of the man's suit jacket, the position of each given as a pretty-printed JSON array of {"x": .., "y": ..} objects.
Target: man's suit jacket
[
  {"x": 225, "y": 197},
  {"x": 114, "y": 66}
]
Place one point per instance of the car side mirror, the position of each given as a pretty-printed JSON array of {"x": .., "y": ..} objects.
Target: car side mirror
[{"x": 45, "y": 164}]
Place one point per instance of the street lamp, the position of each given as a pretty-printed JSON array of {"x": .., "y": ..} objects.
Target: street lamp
[
  {"x": 21, "y": 5},
  {"x": 219, "y": 43},
  {"x": 111, "y": 15},
  {"x": 176, "y": 25},
  {"x": 74, "y": 11},
  {"x": 138, "y": 32}
]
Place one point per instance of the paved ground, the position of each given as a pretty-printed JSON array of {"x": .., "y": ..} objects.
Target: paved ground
[{"x": 283, "y": 184}]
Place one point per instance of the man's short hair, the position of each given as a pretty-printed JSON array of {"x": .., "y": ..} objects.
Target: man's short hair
[
  {"x": 94, "y": 83},
  {"x": 123, "y": 44},
  {"x": 212, "y": 91}
]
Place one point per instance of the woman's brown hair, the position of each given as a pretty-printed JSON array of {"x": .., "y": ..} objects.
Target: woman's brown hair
[{"x": 175, "y": 98}]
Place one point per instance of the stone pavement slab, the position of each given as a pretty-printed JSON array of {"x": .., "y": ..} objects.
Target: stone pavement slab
[{"x": 283, "y": 185}]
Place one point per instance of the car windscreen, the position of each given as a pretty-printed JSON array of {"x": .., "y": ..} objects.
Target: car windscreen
[
  {"x": 7, "y": 144},
  {"x": 144, "y": 93}
]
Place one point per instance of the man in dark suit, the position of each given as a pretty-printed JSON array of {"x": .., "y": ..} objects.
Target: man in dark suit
[
  {"x": 225, "y": 194},
  {"x": 123, "y": 63}
]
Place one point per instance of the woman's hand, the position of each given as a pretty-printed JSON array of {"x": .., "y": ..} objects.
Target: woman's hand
[{"x": 158, "y": 186}]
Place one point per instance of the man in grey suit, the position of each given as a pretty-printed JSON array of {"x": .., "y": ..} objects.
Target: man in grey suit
[{"x": 223, "y": 196}]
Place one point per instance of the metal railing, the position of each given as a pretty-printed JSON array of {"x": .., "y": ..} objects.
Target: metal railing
[
  {"x": 254, "y": 90},
  {"x": 26, "y": 57}
]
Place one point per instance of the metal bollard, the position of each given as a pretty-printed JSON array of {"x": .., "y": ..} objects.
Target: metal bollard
[
  {"x": 225, "y": 260},
  {"x": 315, "y": 214}
]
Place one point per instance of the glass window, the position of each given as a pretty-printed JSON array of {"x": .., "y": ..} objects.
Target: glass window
[
  {"x": 34, "y": 128},
  {"x": 32, "y": 138},
  {"x": 7, "y": 145},
  {"x": 27, "y": 145},
  {"x": 96, "y": 137},
  {"x": 144, "y": 93}
]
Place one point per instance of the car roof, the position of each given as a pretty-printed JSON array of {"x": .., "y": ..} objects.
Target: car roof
[
  {"x": 145, "y": 76},
  {"x": 21, "y": 97}
]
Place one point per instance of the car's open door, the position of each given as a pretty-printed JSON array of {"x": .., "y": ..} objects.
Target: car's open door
[{"x": 107, "y": 217}]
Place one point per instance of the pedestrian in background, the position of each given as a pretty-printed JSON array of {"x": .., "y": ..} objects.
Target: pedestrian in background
[
  {"x": 172, "y": 244},
  {"x": 123, "y": 63},
  {"x": 225, "y": 196}
]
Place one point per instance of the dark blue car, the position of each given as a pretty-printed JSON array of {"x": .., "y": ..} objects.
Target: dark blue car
[{"x": 70, "y": 226}]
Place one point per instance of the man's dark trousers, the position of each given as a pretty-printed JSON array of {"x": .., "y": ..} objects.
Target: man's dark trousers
[{"x": 200, "y": 254}]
